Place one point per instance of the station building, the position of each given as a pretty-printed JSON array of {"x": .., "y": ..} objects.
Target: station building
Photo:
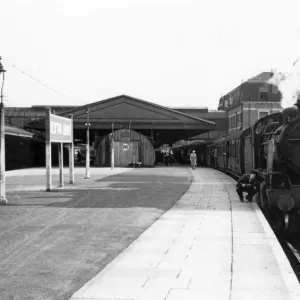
[
  {"x": 250, "y": 101},
  {"x": 137, "y": 127},
  {"x": 140, "y": 120}
]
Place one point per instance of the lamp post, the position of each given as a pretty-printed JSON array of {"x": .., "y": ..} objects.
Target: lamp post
[
  {"x": 2, "y": 142},
  {"x": 87, "y": 156}
]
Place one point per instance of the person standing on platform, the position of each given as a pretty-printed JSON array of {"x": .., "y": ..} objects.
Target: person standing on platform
[
  {"x": 247, "y": 183},
  {"x": 202, "y": 159},
  {"x": 171, "y": 157},
  {"x": 166, "y": 158},
  {"x": 193, "y": 159},
  {"x": 79, "y": 157},
  {"x": 215, "y": 157}
]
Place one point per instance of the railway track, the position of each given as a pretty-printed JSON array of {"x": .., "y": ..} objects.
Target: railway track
[
  {"x": 293, "y": 255},
  {"x": 294, "y": 250}
]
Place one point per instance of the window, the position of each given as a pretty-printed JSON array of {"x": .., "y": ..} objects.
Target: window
[
  {"x": 263, "y": 94},
  {"x": 262, "y": 114},
  {"x": 274, "y": 89},
  {"x": 233, "y": 148},
  {"x": 238, "y": 117},
  {"x": 233, "y": 121}
]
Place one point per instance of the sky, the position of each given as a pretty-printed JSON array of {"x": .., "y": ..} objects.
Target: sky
[{"x": 169, "y": 52}]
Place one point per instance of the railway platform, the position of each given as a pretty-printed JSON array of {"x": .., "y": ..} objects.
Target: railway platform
[
  {"x": 34, "y": 179},
  {"x": 208, "y": 246}
]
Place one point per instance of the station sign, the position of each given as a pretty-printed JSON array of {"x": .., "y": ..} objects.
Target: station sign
[
  {"x": 125, "y": 147},
  {"x": 60, "y": 129}
]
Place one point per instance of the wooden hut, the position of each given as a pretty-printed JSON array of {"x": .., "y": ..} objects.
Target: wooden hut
[{"x": 130, "y": 148}]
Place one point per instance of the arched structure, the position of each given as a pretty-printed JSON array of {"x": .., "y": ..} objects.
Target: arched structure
[{"x": 130, "y": 147}]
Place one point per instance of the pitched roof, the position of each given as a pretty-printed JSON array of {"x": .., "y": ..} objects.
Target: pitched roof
[
  {"x": 128, "y": 103},
  {"x": 17, "y": 131},
  {"x": 261, "y": 78},
  {"x": 24, "y": 112},
  {"x": 207, "y": 115}
]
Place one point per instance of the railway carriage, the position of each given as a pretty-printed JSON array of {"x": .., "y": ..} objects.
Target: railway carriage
[
  {"x": 215, "y": 154},
  {"x": 272, "y": 149}
]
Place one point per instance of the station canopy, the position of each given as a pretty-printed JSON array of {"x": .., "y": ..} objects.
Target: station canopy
[{"x": 160, "y": 123}]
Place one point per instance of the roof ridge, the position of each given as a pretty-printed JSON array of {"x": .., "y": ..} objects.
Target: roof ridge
[{"x": 140, "y": 100}]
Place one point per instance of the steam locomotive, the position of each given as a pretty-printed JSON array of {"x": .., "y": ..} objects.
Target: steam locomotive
[{"x": 271, "y": 147}]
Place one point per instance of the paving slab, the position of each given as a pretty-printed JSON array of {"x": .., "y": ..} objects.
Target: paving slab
[{"x": 208, "y": 246}]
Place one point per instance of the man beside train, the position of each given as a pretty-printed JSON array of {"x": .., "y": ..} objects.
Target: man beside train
[{"x": 248, "y": 183}]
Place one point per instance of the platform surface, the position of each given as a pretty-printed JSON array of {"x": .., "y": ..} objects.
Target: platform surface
[
  {"x": 34, "y": 179},
  {"x": 208, "y": 246},
  {"x": 53, "y": 242}
]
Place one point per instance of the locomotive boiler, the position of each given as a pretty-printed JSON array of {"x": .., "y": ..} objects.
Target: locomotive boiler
[{"x": 276, "y": 149}]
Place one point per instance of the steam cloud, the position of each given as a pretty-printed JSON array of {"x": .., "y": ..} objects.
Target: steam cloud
[{"x": 288, "y": 84}]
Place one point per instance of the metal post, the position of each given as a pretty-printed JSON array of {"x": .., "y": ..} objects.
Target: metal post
[
  {"x": 249, "y": 123},
  {"x": 97, "y": 162},
  {"x": 48, "y": 152},
  {"x": 71, "y": 155},
  {"x": 61, "y": 164},
  {"x": 2, "y": 145},
  {"x": 112, "y": 147},
  {"x": 2, "y": 142},
  {"x": 87, "y": 156}
]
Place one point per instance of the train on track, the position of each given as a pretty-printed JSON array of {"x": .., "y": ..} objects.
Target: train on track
[{"x": 271, "y": 147}]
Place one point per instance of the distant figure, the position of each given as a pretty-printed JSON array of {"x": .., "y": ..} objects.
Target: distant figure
[
  {"x": 78, "y": 157},
  {"x": 166, "y": 158},
  {"x": 215, "y": 157},
  {"x": 193, "y": 159},
  {"x": 181, "y": 158},
  {"x": 202, "y": 162},
  {"x": 171, "y": 157},
  {"x": 247, "y": 183}
]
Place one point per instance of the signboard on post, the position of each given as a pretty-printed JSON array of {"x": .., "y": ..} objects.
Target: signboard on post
[{"x": 58, "y": 130}]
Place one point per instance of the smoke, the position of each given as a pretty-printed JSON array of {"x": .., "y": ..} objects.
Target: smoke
[{"x": 288, "y": 84}]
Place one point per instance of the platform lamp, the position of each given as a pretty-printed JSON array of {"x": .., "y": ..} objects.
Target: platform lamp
[
  {"x": 87, "y": 156},
  {"x": 2, "y": 141}
]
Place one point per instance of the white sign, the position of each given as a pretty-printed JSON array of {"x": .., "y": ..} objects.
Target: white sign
[
  {"x": 60, "y": 129},
  {"x": 125, "y": 147}
]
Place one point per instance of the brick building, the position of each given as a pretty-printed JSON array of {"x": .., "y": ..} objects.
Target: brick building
[{"x": 250, "y": 101}]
